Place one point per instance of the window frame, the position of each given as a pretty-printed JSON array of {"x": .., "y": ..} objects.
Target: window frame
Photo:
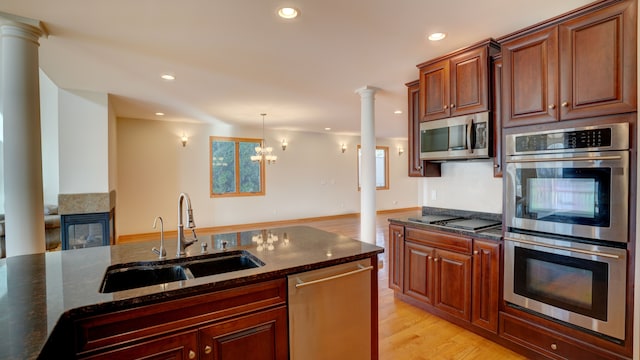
[
  {"x": 236, "y": 193},
  {"x": 386, "y": 166}
]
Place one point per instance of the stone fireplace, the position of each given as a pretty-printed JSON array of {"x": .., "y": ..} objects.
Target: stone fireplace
[{"x": 87, "y": 220}]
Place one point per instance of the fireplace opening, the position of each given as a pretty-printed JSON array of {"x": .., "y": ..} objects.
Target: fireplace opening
[{"x": 87, "y": 230}]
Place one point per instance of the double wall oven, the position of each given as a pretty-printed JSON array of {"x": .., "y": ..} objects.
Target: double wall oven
[{"x": 566, "y": 216}]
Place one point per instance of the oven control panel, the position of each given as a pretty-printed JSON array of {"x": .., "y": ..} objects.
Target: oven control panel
[{"x": 580, "y": 139}]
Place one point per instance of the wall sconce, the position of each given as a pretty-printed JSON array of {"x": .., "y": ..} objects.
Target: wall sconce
[
  {"x": 400, "y": 150},
  {"x": 284, "y": 144},
  {"x": 344, "y": 148},
  {"x": 184, "y": 140}
]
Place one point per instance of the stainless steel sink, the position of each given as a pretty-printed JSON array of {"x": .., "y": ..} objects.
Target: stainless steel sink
[{"x": 140, "y": 274}]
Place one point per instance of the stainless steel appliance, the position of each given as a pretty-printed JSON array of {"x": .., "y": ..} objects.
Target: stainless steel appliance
[
  {"x": 572, "y": 182},
  {"x": 461, "y": 137},
  {"x": 330, "y": 312},
  {"x": 566, "y": 218},
  {"x": 580, "y": 284}
]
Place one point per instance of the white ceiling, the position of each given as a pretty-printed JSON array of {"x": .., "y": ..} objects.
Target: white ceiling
[{"x": 235, "y": 59}]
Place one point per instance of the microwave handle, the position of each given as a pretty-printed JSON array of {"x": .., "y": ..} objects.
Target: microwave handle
[{"x": 469, "y": 130}]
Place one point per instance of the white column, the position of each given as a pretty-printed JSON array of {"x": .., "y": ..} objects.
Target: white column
[
  {"x": 367, "y": 165},
  {"x": 19, "y": 88}
]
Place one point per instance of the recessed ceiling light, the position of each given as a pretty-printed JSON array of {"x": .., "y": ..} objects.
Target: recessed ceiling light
[
  {"x": 328, "y": 128},
  {"x": 160, "y": 113},
  {"x": 398, "y": 112},
  {"x": 437, "y": 36},
  {"x": 168, "y": 77},
  {"x": 288, "y": 13}
]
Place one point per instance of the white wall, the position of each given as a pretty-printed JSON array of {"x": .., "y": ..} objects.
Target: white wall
[
  {"x": 311, "y": 178},
  {"x": 83, "y": 142},
  {"x": 465, "y": 185}
]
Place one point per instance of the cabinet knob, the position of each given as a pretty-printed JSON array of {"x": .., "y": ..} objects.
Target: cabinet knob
[
  {"x": 419, "y": 167},
  {"x": 452, "y": 105},
  {"x": 435, "y": 259},
  {"x": 554, "y": 346},
  {"x": 446, "y": 107},
  {"x": 429, "y": 258},
  {"x": 400, "y": 235},
  {"x": 475, "y": 252},
  {"x": 207, "y": 349},
  {"x": 565, "y": 104},
  {"x": 192, "y": 354},
  {"x": 496, "y": 165},
  {"x": 552, "y": 106}
]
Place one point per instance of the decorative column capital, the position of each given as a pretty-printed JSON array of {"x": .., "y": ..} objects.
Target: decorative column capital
[
  {"x": 367, "y": 91},
  {"x": 21, "y": 27}
]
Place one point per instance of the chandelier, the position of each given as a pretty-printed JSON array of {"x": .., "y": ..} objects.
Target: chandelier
[{"x": 264, "y": 152}]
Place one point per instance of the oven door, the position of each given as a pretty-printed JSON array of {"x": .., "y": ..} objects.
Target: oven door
[
  {"x": 582, "y": 194},
  {"x": 579, "y": 284}
]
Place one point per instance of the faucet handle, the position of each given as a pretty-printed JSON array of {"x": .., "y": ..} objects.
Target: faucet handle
[{"x": 195, "y": 237}]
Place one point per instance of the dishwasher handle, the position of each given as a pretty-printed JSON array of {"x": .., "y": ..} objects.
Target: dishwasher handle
[{"x": 360, "y": 269}]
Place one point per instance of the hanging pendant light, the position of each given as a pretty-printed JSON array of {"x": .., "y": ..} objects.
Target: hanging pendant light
[{"x": 264, "y": 152}]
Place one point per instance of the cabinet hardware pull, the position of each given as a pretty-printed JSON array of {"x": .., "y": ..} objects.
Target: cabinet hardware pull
[
  {"x": 565, "y": 104},
  {"x": 554, "y": 346},
  {"x": 207, "y": 349},
  {"x": 452, "y": 105},
  {"x": 469, "y": 132},
  {"x": 496, "y": 165},
  {"x": 586, "y": 252},
  {"x": 581, "y": 158},
  {"x": 435, "y": 259},
  {"x": 552, "y": 106},
  {"x": 446, "y": 107},
  {"x": 475, "y": 252},
  {"x": 361, "y": 269},
  {"x": 192, "y": 354}
]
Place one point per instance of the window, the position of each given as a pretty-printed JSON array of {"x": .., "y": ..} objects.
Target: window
[
  {"x": 231, "y": 169},
  {"x": 382, "y": 167}
]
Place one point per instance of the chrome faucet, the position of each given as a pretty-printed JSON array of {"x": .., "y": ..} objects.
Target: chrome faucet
[
  {"x": 162, "y": 253},
  {"x": 182, "y": 242}
]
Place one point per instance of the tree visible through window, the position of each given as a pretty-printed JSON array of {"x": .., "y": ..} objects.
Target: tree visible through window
[{"x": 231, "y": 169}]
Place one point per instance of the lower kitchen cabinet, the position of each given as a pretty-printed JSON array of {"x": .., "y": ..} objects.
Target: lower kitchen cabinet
[
  {"x": 454, "y": 276},
  {"x": 437, "y": 277},
  {"x": 246, "y": 322},
  {"x": 178, "y": 347},
  {"x": 396, "y": 256},
  {"x": 262, "y": 336},
  {"x": 485, "y": 291}
]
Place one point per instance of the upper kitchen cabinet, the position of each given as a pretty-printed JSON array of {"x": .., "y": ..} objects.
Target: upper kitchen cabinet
[
  {"x": 417, "y": 167},
  {"x": 457, "y": 83},
  {"x": 580, "y": 65}
]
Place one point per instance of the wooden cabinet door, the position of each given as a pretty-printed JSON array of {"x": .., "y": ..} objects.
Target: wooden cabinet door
[
  {"x": 396, "y": 256},
  {"x": 452, "y": 283},
  {"x": 261, "y": 336},
  {"x": 434, "y": 91},
  {"x": 530, "y": 79},
  {"x": 417, "y": 167},
  {"x": 182, "y": 346},
  {"x": 417, "y": 271},
  {"x": 485, "y": 292},
  {"x": 497, "y": 116},
  {"x": 469, "y": 82},
  {"x": 598, "y": 63}
]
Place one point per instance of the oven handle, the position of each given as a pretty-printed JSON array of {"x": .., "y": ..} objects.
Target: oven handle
[
  {"x": 469, "y": 128},
  {"x": 587, "y": 252},
  {"x": 580, "y": 158}
]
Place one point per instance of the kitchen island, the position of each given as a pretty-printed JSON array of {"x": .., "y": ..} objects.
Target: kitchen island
[{"x": 44, "y": 297}]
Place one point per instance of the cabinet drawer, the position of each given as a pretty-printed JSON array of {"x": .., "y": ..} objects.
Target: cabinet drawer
[
  {"x": 546, "y": 342},
  {"x": 440, "y": 240},
  {"x": 142, "y": 322}
]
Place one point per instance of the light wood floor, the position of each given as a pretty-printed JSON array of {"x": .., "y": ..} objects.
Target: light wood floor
[{"x": 406, "y": 332}]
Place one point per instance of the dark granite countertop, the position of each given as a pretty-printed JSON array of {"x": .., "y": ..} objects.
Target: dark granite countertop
[
  {"x": 40, "y": 294},
  {"x": 494, "y": 233}
]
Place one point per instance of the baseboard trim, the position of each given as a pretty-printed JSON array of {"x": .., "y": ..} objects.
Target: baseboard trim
[{"x": 122, "y": 239}]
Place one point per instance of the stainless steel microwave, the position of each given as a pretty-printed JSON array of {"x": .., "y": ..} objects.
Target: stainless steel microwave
[{"x": 456, "y": 138}]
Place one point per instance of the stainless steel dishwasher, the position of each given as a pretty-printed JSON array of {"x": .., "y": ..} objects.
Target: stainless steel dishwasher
[{"x": 330, "y": 312}]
